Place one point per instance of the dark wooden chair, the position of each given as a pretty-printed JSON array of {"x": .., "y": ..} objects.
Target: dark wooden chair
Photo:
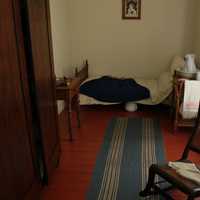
[{"x": 169, "y": 175}]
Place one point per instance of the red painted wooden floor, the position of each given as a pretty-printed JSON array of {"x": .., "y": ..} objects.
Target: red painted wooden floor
[{"x": 71, "y": 179}]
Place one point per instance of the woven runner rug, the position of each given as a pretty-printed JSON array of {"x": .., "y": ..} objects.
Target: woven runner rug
[{"x": 130, "y": 146}]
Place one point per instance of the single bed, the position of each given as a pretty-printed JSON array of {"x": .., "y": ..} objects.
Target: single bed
[{"x": 159, "y": 88}]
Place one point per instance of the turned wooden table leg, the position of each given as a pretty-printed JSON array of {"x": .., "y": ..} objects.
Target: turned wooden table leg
[
  {"x": 78, "y": 111},
  {"x": 69, "y": 112},
  {"x": 69, "y": 125}
]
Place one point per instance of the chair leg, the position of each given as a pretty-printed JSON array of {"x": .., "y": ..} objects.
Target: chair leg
[
  {"x": 78, "y": 111},
  {"x": 148, "y": 189}
]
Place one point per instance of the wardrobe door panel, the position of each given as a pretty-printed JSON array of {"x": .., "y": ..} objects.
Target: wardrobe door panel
[
  {"x": 17, "y": 173},
  {"x": 44, "y": 77}
]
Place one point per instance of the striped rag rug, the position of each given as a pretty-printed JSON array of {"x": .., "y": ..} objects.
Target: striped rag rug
[{"x": 130, "y": 146}]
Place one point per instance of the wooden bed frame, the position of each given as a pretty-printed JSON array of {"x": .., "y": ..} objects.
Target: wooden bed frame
[{"x": 82, "y": 75}]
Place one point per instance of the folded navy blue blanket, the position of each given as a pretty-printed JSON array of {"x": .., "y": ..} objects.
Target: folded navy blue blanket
[{"x": 112, "y": 90}]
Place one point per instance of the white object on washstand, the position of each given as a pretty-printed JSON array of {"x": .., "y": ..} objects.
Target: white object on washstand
[
  {"x": 131, "y": 106},
  {"x": 190, "y": 63}
]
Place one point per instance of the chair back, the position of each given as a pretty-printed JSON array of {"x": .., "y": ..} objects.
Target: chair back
[{"x": 194, "y": 141}]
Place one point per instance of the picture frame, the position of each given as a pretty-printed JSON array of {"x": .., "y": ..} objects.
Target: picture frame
[{"x": 131, "y": 9}]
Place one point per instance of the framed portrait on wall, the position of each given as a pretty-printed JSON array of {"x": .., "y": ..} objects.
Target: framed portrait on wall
[{"x": 131, "y": 9}]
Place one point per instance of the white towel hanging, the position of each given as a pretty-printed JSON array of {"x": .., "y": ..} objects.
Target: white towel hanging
[{"x": 191, "y": 99}]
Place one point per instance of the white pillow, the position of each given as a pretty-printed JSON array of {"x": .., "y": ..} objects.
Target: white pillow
[
  {"x": 165, "y": 82},
  {"x": 177, "y": 62}
]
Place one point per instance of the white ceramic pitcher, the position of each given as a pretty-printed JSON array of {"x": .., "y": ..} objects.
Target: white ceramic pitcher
[{"x": 190, "y": 63}]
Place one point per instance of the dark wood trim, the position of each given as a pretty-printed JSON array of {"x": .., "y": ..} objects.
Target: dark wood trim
[
  {"x": 53, "y": 77},
  {"x": 56, "y": 151},
  {"x": 42, "y": 55},
  {"x": 24, "y": 79},
  {"x": 18, "y": 175},
  {"x": 33, "y": 92},
  {"x": 30, "y": 144},
  {"x": 36, "y": 187}
]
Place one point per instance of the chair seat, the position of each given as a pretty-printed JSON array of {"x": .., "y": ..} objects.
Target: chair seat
[
  {"x": 170, "y": 175},
  {"x": 187, "y": 186}
]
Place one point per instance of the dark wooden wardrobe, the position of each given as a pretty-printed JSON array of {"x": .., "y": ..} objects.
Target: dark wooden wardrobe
[{"x": 29, "y": 139}]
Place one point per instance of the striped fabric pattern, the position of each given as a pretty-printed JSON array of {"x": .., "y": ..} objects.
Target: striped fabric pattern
[
  {"x": 111, "y": 175},
  {"x": 148, "y": 152},
  {"x": 130, "y": 146}
]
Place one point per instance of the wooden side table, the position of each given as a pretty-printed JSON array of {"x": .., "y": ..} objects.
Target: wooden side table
[
  {"x": 67, "y": 89},
  {"x": 178, "y": 94}
]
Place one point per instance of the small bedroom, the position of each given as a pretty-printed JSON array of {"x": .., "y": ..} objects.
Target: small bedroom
[{"x": 100, "y": 99}]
